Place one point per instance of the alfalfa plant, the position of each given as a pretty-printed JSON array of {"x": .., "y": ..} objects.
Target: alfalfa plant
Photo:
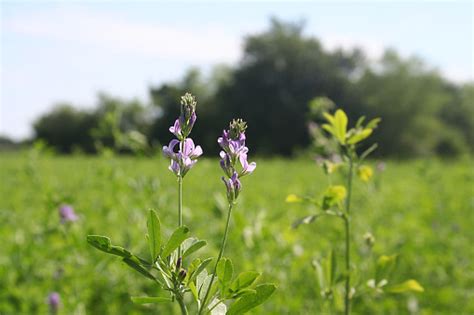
[
  {"x": 336, "y": 201},
  {"x": 180, "y": 279}
]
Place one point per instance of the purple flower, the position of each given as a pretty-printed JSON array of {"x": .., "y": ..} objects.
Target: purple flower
[
  {"x": 184, "y": 159},
  {"x": 226, "y": 164},
  {"x": 247, "y": 168},
  {"x": 232, "y": 143},
  {"x": 191, "y": 151},
  {"x": 53, "y": 302},
  {"x": 233, "y": 186},
  {"x": 184, "y": 124},
  {"x": 67, "y": 214},
  {"x": 176, "y": 129}
]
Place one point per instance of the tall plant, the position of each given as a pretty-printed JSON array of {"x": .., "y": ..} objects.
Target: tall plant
[
  {"x": 337, "y": 201},
  {"x": 187, "y": 282}
]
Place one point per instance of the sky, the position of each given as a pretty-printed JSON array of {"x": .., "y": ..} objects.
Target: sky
[{"x": 52, "y": 52}]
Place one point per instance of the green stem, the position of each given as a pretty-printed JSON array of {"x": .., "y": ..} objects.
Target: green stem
[
  {"x": 347, "y": 220},
  {"x": 180, "y": 207},
  {"x": 221, "y": 252},
  {"x": 184, "y": 310}
]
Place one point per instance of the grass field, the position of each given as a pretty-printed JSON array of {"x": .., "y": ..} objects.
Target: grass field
[{"x": 422, "y": 210}]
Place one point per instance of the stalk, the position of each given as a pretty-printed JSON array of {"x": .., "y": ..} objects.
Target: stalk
[
  {"x": 221, "y": 252},
  {"x": 347, "y": 221},
  {"x": 184, "y": 310},
  {"x": 180, "y": 207}
]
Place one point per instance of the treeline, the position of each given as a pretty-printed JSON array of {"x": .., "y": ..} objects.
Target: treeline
[{"x": 280, "y": 72}]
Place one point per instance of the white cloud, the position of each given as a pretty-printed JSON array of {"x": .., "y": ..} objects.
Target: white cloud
[{"x": 119, "y": 35}]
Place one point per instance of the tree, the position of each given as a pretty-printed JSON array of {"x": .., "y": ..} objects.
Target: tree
[
  {"x": 280, "y": 72},
  {"x": 66, "y": 128}
]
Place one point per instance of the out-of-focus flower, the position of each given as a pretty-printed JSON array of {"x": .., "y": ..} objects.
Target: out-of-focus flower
[
  {"x": 67, "y": 214},
  {"x": 369, "y": 239},
  {"x": 381, "y": 166},
  {"x": 292, "y": 198},
  {"x": 334, "y": 195},
  {"x": 365, "y": 173},
  {"x": 53, "y": 301}
]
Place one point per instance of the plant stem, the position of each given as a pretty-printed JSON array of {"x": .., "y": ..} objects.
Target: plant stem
[
  {"x": 221, "y": 252},
  {"x": 184, "y": 310},
  {"x": 180, "y": 207},
  {"x": 347, "y": 306}
]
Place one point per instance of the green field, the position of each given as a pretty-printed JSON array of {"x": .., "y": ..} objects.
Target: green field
[{"x": 422, "y": 210}]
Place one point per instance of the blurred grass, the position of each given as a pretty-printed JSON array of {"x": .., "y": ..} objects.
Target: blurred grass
[{"x": 422, "y": 210}]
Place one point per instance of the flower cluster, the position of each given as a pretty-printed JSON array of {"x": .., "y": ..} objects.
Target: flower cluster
[
  {"x": 234, "y": 152},
  {"x": 182, "y": 151}
]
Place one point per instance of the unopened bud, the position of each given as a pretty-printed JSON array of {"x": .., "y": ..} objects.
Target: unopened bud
[
  {"x": 178, "y": 263},
  {"x": 369, "y": 239},
  {"x": 182, "y": 275},
  {"x": 188, "y": 105},
  {"x": 236, "y": 128}
]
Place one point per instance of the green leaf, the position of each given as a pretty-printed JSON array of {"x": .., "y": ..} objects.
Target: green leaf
[
  {"x": 200, "y": 268},
  {"x": 134, "y": 263},
  {"x": 359, "y": 135},
  {"x": 409, "y": 285},
  {"x": 178, "y": 236},
  {"x": 103, "y": 243},
  {"x": 373, "y": 123},
  {"x": 194, "y": 247},
  {"x": 305, "y": 220},
  {"x": 225, "y": 272},
  {"x": 154, "y": 234},
  {"x": 249, "y": 301},
  {"x": 360, "y": 121},
  {"x": 244, "y": 280},
  {"x": 329, "y": 118},
  {"x": 329, "y": 129},
  {"x": 340, "y": 126},
  {"x": 368, "y": 151},
  {"x": 150, "y": 299}
]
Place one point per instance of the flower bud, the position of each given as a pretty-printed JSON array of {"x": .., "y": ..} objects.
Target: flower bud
[
  {"x": 178, "y": 263},
  {"x": 188, "y": 106},
  {"x": 369, "y": 239},
  {"x": 236, "y": 128},
  {"x": 182, "y": 275}
]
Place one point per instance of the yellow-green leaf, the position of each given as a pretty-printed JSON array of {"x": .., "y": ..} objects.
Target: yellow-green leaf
[
  {"x": 409, "y": 285},
  {"x": 340, "y": 126},
  {"x": 359, "y": 136}
]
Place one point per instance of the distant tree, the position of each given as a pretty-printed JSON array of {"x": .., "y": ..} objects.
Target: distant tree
[
  {"x": 280, "y": 72},
  {"x": 66, "y": 128},
  {"x": 458, "y": 117},
  {"x": 409, "y": 97}
]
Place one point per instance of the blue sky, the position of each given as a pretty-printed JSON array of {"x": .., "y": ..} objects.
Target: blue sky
[{"x": 53, "y": 52}]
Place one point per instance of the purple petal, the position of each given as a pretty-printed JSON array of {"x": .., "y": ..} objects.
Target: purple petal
[{"x": 168, "y": 151}]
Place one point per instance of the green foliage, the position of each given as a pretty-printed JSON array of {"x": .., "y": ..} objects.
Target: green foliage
[
  {"x": 422, "y": 209},
  {"x": 337, "y": 202},
  {"x": 154, "y": 235}
]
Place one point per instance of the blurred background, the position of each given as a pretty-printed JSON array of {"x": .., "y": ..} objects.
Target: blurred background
[
  {"x": 89, "y": 90},
  {"x": 65, "y": 67}
]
